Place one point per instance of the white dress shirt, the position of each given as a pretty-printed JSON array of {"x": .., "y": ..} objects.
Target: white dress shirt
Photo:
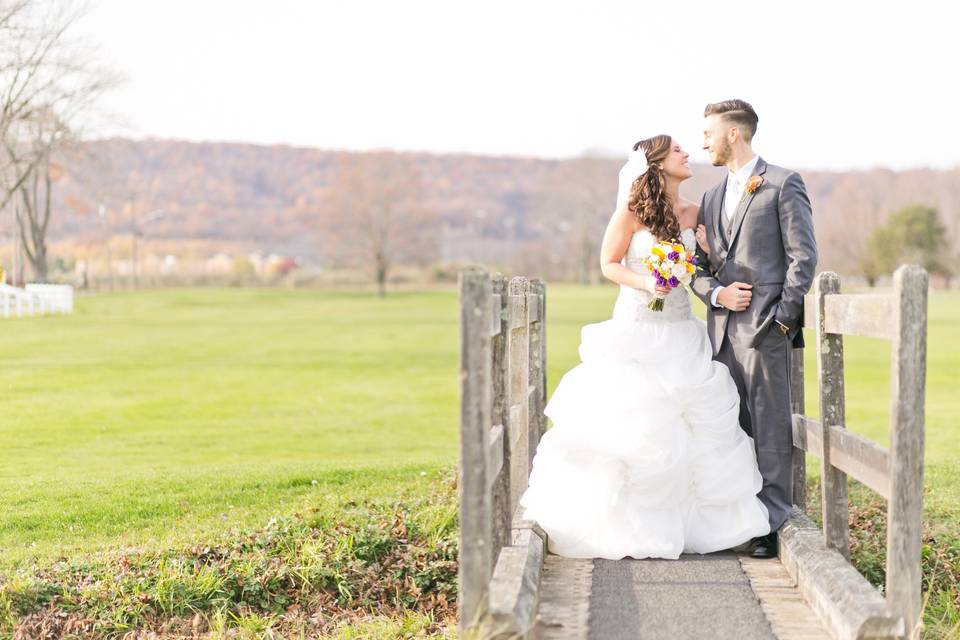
[{"x": 736, "y": 184}]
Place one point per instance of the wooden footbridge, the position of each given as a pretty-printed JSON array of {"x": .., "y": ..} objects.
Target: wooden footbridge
[{"x": 511, "y": 587}]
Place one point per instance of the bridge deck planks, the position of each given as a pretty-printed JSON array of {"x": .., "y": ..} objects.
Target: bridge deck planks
[
  {"x": 784, "y": 607},
  {"x": 714, "y": 596}
]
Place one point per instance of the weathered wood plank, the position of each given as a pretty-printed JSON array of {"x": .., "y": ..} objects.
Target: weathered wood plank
[
  {"x": 783, "y": 605},
  {"x": 908, "y": 381},
  {"x": 534, "y": 299},
  {"x": 836, "y": 509},
  {"x": 515, "y": 587},
  {"x": 565, "y": 599},
  {"x": 855, "y": 455},
  {"x": 806, "y": 435},
  {"x": 496, "y": 318},
  {"x": 843, "y": 599},
  {"x": 867, "y": 315},
  {"x": 518, "y": 362},
  {"x": 500, "y": 488},
  {"x": 542, "y": 384},
  {"x": 537, "y": 376},
  {"x": 518, "y": 302},
  {"x": 810, "y": 308},
  {"x": 797, "y": 407},
  {"x": 495, "y": 455},
  {"x": 861, "y": 459},
  {"x": 476, "y": 558}
]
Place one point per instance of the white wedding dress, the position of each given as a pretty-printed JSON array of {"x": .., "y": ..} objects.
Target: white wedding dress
[{"x": 646, "y": 457}]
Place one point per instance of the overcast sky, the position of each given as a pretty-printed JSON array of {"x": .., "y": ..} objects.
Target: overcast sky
[{"x": 836, "y": 84}]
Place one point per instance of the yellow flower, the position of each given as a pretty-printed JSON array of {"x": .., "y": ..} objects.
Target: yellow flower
[
  {"x": 689, "y": 268},
  {"x": 657, "y": 251},
  {"x": 678, "y": 248}
]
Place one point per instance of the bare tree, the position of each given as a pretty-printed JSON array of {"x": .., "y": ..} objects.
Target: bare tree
[
  {"x": 49, "y": 86},
  {"x": 572, "y": 208},
  {"x": 376, "y": 217}
]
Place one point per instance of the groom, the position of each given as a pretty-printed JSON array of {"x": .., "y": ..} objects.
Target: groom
[{"x": 758, "y": 226}]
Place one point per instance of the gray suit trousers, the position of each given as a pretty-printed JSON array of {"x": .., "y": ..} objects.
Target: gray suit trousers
[{"x": 762, "y": 376}]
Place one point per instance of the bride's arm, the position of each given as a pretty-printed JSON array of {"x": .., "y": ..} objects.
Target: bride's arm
[{"x": 616, "y": 239}]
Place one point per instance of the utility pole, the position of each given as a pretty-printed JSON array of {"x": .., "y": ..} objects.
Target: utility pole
[
  {"x": 137, "y": 232},
  {"x": 102, "y": 214}
]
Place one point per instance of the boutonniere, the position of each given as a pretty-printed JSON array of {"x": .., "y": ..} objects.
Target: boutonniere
[{"x": 753, "y": 184}]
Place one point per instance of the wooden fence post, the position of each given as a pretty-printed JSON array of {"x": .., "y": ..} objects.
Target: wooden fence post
[
  {"x": 905, "y": 507},
  {"x": 537, "y": 360},
  {"x": 836, "y": 508},
  {"x": 502, "y": 513},
  {"x": 518, "y": 349},
  {"x": 476, "y": 557},
  {"x": 797, "y": 408}
]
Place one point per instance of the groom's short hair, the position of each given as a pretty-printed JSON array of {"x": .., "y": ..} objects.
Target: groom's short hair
[{"x": 738, "y": 112}]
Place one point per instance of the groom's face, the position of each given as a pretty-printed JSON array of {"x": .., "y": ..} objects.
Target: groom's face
[{"x": 716, "y": 139}]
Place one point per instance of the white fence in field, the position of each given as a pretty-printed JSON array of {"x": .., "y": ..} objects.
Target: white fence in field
[{"x": 35, "y": 299}]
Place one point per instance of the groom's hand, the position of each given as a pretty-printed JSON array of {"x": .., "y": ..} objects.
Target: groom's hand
[{"x": 736, "y": 296}]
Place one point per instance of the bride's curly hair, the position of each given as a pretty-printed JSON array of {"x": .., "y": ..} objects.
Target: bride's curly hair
[{"x": 648, "y": 200}]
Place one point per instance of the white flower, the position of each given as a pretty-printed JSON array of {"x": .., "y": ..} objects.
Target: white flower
[{"x": 679, "y": 270}]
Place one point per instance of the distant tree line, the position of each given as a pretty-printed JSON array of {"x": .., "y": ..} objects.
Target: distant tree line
[{"x": 388, "y": 214}]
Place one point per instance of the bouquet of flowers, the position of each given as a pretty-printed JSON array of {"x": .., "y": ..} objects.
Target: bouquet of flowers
[{"x": 671, "y": 265}]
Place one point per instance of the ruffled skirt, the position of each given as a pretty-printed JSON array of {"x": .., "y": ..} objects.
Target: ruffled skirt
[{"x": 646, "y": 457}]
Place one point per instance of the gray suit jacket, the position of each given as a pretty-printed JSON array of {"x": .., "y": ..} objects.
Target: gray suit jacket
[{"x": 771, "y": 246}]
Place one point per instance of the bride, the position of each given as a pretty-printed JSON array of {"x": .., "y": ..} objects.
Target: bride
[{"x": 646, "y": 457}]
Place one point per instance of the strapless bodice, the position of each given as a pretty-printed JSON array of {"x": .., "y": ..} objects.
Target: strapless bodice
[{"x": 632, "y": 303}]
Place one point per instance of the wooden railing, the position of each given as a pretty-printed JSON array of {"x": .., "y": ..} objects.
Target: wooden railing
[
  {"x": 503, "y": 390},
  {"x": 895, "y": 473}
]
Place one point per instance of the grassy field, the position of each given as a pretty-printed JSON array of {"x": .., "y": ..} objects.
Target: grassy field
[
  {"x": 162, "y": 420},
  {"x": 147, "y": 418}
]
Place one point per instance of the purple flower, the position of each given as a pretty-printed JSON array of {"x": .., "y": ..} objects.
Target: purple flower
[
  {"x": 674, "y": 282},
  {"x": 673, "y": 255},
  {"x": 694, "y": 260},
  {"x": 661, "y": 282}
]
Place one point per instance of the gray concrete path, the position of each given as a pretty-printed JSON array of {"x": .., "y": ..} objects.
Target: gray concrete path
[{"x": 709, "y": 597}]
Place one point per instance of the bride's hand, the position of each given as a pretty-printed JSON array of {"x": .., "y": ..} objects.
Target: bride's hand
[
  {"x": 650, "y": 286},
  {"x": 701, "y": 234}
]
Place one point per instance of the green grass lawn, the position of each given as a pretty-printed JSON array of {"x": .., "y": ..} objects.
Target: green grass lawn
[
  {"x": 160, "y": 419},
  {"x": 150, "y": 418},
  {"x": 144, "y": 417}
]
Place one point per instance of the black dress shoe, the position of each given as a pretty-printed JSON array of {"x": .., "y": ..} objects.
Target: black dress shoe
[{"x": 764, "y": 546}]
